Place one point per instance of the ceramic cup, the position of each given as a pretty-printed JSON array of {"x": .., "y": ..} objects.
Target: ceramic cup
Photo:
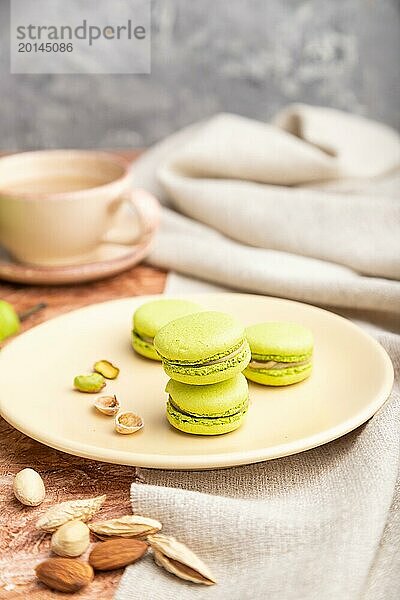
[{"x": 57, "y": 206}]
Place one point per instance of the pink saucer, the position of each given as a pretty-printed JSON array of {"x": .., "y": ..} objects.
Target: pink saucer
[{"x": 109, "y": 259}]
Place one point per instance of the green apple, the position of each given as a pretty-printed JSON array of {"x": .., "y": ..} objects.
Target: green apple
[{"x": 9, "y": 320}]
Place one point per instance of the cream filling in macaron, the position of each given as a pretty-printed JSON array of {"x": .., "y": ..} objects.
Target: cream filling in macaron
[
  {"x": 230, "y": 413},
  {"x": 272, "y": 364},
  {"x": 144, "y": 338},
  {"x": 211, "y": 362}
]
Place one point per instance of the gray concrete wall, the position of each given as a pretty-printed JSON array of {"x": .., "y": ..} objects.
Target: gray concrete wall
[{"x": 245, "y": 56}]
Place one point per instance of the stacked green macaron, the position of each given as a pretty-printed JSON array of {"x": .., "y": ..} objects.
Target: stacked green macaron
[
  {"x": 204, "y": 355},
  {"x": 281, "y": 353},
  {"x": 207, "y": 409},
  {"x": 151, "y": 317},
  {"x": 203, "y": 348}
]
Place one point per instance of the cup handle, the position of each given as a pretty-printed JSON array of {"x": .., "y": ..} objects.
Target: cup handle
[{"x": 146, "y": 210}]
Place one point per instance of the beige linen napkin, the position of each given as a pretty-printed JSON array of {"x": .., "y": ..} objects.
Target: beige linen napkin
[
  {"x": 324, "y": 524},
  {"x": 306, "y": 208}
]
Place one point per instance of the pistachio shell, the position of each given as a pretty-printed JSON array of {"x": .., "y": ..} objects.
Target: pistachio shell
[
  {"x": 107, "y": 369},
  {"x": 128, "y": 422},
  {"x": 179, "y": 560},
  {"x": 108, "y": 405}
]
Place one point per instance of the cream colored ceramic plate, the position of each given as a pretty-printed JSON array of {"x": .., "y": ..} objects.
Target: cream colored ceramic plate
[{"x": 352, "y": 378}]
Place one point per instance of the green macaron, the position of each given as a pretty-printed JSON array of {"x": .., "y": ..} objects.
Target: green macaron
[
  {"x": 207, "y": 409},
  {"x": 281, "y": 353},
  {"x": 152, "y": 316},
  {"x": 203, "y": 348},
  {"x": 9, "y": 320}
]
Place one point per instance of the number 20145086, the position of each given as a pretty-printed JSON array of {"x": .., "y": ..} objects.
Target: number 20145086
[{"x": 48, "y": 47}]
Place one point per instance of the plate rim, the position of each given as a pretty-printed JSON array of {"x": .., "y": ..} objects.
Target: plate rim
[{"x": 221, "y": 460}]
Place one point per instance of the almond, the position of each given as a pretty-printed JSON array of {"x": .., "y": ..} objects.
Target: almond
[
  {"x": 178, "y": 559},
  {"x": 71, "y": 539},
  {"x": 68, "y": 511},
  {"x": 117, "y": 553},
  {"x": 128, "y": 526},
  {"x": 29, "y": 487},
  {"x": 64, "y": 574}
]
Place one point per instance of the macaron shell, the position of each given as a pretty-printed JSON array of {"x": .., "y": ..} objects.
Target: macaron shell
[
  {"x": 208, "y": 374},
  {"x": 221, "y": 399},
  {"x": 199, "y": 337},
  {"x": 152, "y": 316},
  {"x": 144, "y": 348},
  {"x": 279, "y": 376},
  {"x": 204, "y": 426},
  {"x": 281, "y": 341}
]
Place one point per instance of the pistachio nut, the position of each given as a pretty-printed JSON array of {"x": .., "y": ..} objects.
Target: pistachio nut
[
  {"x": 90, "y": 384},
  {"x": 107, "y": 369}
]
